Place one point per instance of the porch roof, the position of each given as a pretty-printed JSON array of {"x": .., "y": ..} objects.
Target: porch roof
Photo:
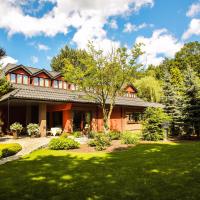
[{"x": 27, "y": 92}]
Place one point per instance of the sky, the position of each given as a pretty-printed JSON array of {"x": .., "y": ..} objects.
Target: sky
[{"x": 33, "y": 31}]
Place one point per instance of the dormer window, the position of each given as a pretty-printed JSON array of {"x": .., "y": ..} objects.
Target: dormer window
[
  {"x": 55, "y": 84},
  {"x": 60, "y": 84},
  {"x": 73, "y": 87},
  {"x": 19, "y": 78},
  {"x": 13, "y": 78},
  {"x": 41, "y": 82},
  {"x": 46, "y": 82},
  {"x": 36, "y": 81},
  {"x": 65, "y": 85},
  {"x": 25, "y": 80},
  {"x": 130, "y": 94}
]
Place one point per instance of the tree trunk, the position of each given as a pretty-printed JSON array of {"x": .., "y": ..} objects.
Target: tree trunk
[{"x": 106, "y": 118}]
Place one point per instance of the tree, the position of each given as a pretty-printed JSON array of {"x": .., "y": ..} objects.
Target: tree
[
  {"x": 4, "y": 84},
  {"x": 149, "y": 89},
  {"x": 173, "y": 103},
  {"x": 102, "y": 76},
  {"x": 72, "y": 55},
  {"x": 189, "y": 55},
  {"x": 192, "y": 102},
  {"x": 153, "y": 124}
]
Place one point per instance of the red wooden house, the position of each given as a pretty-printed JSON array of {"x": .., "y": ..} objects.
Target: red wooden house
[{"x": 43, "y": 97}]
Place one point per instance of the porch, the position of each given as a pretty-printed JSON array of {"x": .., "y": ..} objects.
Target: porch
[
  {"x": 47, "y": 114},
  {"x": 67, "y": 116}
]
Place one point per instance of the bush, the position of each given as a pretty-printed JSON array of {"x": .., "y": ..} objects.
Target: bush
[
  {"x": 100, "y": 142},
  {"x": 92, "y": 134},
  {"x": 16, "y": 127},
  {"x": 77, "y": 134},
  {"x": 33, "y": 129},
  {"x": 114, "y": 135},
  {"x": 65, "y": 135},
  {"x": 62, "y": 143},
  {"x": 92, "y": 143},
  {"x": 9, "y": 149},
  {"x": 152, "y": 125},
  {"x": 131, "y": 137}
]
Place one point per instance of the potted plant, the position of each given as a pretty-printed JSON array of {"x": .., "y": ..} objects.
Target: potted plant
[
  {"x": 33, "y": 130},
  {"x": 16, "y": 129},
  {"x": 1, "y": 124}
]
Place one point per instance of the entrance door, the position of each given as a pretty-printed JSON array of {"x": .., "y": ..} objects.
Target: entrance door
[
  {"x": 80, "y": 119},
  {"x": 57, "y": 119}
]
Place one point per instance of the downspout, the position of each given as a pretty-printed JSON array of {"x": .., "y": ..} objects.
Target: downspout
[{"x": 8, "y": 109}]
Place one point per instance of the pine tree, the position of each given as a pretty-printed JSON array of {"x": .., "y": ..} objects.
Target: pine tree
[
  {"x": 173, "y": 104},
  {"x": 192, "y": 100}
]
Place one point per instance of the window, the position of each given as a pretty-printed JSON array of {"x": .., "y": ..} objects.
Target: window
[
  {"x": 19, "y": 78},
  {"x": 46, "y": 82},
  {"x": 55, "y": 84},
  {"x": 65, "y": 85},
  {"x": 13, "y": 78},
  {"x": 36, "y": 81},
  {"x": 134, "y": 117},
  {"x": 73, "y": 87},
  {"x": 41, "y": 82},
  {"x": 60, "y": 84},
  {"x": 25, "y": 80}
]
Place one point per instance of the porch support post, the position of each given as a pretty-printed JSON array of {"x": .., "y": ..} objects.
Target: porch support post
[
  {"x": 67, "y": 121},
  {"x": 42, "y": 119},
  {"x": 28, "y": 114},
  {"x": 123, "y": 118}
]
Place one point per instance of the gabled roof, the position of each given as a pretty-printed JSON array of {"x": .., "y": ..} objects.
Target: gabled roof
[
  {"x": 10, "y": 68},
  {"x": 31, "y": 70},
  {"x": 131, "y": 85},
  {"x": 42, "y": 71}
]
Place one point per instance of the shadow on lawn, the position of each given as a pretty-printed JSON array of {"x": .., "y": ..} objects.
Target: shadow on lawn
[{"x": 147, "y": 171}]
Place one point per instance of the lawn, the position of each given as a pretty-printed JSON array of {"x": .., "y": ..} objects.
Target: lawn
[{"x": 148, "y": 171}]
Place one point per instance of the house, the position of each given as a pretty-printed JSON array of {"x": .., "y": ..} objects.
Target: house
[{"x": 43, "y": 97}]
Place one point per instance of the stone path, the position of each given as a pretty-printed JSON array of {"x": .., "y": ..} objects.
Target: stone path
[{"x": 28, "y": 145}]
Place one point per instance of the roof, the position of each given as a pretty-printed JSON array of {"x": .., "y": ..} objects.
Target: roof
[
  {"x": 27, "y": 92},
  {"x": 31, "y": 70}
]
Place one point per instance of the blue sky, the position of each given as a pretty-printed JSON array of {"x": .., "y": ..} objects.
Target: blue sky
[{"x": 33, "y": 31}]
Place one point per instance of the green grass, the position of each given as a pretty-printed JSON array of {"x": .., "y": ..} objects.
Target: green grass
[{"x": 147, "y": 171}]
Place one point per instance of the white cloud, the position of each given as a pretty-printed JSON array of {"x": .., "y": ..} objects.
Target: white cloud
[
  {"x": 193, "y": 29},
  {"x": 85, "y": 16},
  {"x": 128, "y": 27},
  {"x": 7, "y": 59},
  {"x": 113, "y": 24},
  {"x": 194, "y": 9},
  {"x": 43, "y": 47},
  {"x": 34, "y": 59},
  {"x": 160, "y": 45}
]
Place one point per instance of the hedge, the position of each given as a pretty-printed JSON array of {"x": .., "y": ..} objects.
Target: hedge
[{"x": 9, "y": 149}]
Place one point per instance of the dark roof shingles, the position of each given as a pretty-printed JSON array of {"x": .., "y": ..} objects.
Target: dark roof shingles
[{"x": 60, "y": 95}]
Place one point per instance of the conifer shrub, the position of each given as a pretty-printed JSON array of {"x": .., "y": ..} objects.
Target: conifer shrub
[{"x": 154, "y": 118}]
